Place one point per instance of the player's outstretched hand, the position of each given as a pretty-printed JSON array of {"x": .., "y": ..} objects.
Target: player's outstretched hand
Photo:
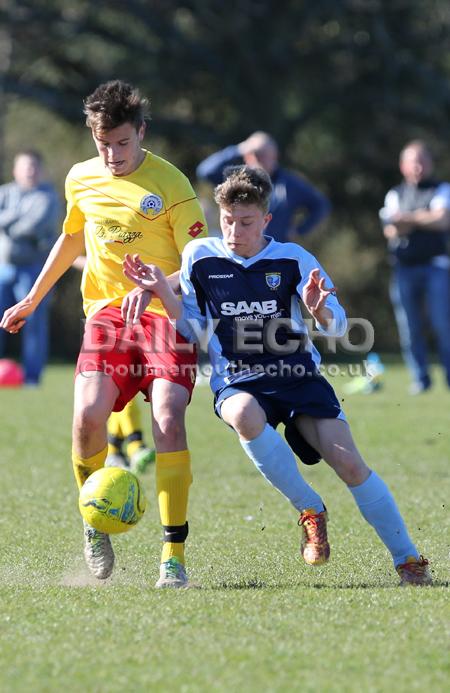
[
  {"x": 14, "y": 318},
  {"x": 134, "y": 304},
  {"x": 314, "y": 292},
  {"x": 151, "y": 278},
  {"x": 148, "y": 277}
]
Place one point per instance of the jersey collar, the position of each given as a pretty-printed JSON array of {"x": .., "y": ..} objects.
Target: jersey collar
[{"x": 246, "y": 261}]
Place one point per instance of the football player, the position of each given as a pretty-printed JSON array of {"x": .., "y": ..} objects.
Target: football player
[
  {"x": 246, "y": 287},
  {"x": 126, "y": 199}
]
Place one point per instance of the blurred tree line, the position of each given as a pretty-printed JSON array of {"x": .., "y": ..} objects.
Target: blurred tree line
[{"x": 341, "y": 84}]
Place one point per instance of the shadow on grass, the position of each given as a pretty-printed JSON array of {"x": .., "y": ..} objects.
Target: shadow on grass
[
  {"x": 242, "y": 585},
  {"x": 371, "y": 585},
  {"x": 258, "y": 585}
]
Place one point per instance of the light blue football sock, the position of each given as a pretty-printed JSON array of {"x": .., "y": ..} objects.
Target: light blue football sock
[
  {"x": 378, "y": 507},
  {"x": 273, "y": 457}
]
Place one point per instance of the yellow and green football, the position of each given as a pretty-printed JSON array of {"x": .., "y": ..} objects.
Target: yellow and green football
[{"x": 112, "y": 500}]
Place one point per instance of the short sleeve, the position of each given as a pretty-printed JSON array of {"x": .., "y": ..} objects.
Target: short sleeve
[
  {"x": 391, "y": 206},
  {"x": 441, "y": 199},
  {"x": 186, "y": 218},
  {"x": 75, "y": 219}
]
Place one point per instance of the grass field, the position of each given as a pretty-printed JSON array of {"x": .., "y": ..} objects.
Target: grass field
[{"x": 263, "y": 620}]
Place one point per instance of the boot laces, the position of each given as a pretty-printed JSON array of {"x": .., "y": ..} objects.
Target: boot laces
[
  {"x": 314, "y": 526},
  {"x": 417, "y": 568},
  {"x": 174, "y": 569},
  {"x": 97, "y": 541}
]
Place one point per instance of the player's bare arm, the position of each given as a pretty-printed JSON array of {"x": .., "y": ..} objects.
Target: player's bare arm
[
  {"x": 314, "y": 296},
  {"x": 174, "y": 282},
  {"x": 136, "y": 301},
  {"x": 134, "y": 305},
  {"x": 61, "y": 257},
  {"x": 151, "y": 278}
]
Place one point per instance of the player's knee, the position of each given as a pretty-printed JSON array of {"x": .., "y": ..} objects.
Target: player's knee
[
  {"x": 348, "y": 465},
  {"x": 246, "y": 421},
  {"x": 88, "y": 421},
  {"x": 356, "y": 474},
  {"x": 169, "y": 425}
]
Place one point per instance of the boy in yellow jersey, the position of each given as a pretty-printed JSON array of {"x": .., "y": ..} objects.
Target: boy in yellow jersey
[{"x": 126, "y": 200}]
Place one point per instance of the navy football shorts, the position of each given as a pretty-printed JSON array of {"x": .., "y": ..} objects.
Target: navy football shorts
[{"x": 311, "y": 395}]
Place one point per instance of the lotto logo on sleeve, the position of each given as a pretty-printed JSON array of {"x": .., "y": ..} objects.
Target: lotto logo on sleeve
[{"x": 196, "y": 229}]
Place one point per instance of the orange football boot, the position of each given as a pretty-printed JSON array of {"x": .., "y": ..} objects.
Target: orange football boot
[
  {"x": 414, "y": 572},
  {"x": 315, "y": 548}
]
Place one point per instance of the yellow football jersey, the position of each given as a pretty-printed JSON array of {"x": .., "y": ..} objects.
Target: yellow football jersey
[{"x": 152, "y": 211}]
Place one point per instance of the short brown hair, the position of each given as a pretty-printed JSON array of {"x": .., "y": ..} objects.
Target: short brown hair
[
  {"x": 31, "y": 154},
  {"x": 115, "y": 103},
  {"x": 244, "y": 185}
]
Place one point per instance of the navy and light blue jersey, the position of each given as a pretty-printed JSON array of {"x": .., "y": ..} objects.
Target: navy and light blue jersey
[{"x": 247, "y": 310}]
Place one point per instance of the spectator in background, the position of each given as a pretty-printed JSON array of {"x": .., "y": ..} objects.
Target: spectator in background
[
  {"x": 416, "y": 221},
  {"x": 29, "y": 217},
  {"x": 291, "y": 193}
]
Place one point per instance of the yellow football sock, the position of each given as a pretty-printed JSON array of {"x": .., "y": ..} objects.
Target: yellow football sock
[
  {"x": 114, "y": 449},
  {"x": 133, "y": 446},
  {"x": 83, "y": 467},
  {"x": 173, "y": 478},
  {"x": 131, "y": 427},
  {"x": 115, "y": 435},
  {"x": 130, "y": 418}
]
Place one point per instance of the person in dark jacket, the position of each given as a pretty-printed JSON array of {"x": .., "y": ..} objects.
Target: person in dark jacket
[{"x": 291, "y": 194}]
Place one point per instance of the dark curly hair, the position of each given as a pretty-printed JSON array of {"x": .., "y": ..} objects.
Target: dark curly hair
[{"x": 115, "y": 103}]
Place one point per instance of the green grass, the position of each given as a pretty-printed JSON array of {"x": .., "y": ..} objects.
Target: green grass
[{"x": 263, "y": 621}]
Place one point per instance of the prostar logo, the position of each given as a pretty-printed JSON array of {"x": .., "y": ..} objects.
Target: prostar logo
[
  {"x": 245, "y": 308},
  {"x": 196, "y": 229}
]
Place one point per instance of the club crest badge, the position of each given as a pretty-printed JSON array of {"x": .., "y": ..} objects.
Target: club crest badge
[
  {"x": 151, "y": 204},
  {"x": 273, "y": 280}
]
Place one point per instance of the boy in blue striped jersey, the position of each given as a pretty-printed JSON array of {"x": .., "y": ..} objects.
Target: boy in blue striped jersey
[{"x": 243, "y": 291}]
